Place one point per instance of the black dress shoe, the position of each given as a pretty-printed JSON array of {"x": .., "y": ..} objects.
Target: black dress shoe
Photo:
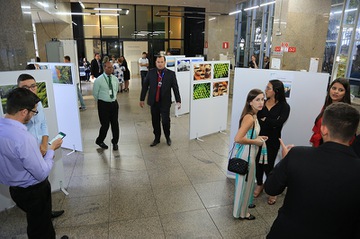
[
  {"x": 103, "y": 145},
  {"x": 252, "y": 206},
  {"x": 55, "y": 214},
  {"x": 155, "y": 142},
  {"x": 115, "y": 147},
  {"x": 168, "y": 141},
  {"x": 251, "y": 217}
]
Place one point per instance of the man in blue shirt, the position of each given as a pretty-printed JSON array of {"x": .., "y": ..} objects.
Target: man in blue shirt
[
  {"x": 22, "y": 167},
  {"x": 37, "y": 125},
  {"x": 104, "y": 91}
]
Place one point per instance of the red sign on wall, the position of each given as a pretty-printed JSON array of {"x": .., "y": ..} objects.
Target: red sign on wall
[
  {"x": 292, "y": 49},
  {"x": 278, "y": 48},
  {"x": 225, "y": 45}
]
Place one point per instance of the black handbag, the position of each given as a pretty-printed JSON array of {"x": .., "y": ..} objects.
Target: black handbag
[{"x": 239, "y": 165}]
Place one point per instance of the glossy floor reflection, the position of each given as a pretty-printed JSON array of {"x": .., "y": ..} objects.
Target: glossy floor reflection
[{"x": 179, "y": 191}]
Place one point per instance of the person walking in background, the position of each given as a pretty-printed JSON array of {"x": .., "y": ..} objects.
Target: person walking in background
[
  {"x": 322, "y": 198},
  {"x": 143, "y": 65},
  {"x": 159, "y": 82},
  {"x": 123, "y": 63},
  {"x": 271, "y": 118},
  {"x": 80, "y": 97},
  {"x": 247, "y": 139},
  {"x": 96, "y": 68},
  {"x": 22, "y": 166},
  {"x": 253, "y": 63},
  {"x": 86, "y": 66},
  {"x": 37, "y": 125},
  {"x": 119, "y": 73},
  {"x": 339, "y": 91},
  {"x": 104, "y": 91}
]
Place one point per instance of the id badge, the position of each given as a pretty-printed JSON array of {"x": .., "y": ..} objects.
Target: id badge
[
  {"x": 110, "y": 92},
  {"x": 159, "y": 84}
]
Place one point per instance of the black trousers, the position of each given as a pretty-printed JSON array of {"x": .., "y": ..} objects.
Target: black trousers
[
  {"x": 108, "y": 115},
  {"x": 162, "y": 114},
  {"x": 143, "y": 75},
  {"x": 272, "y": 151},
  {"x": 35, "y": 201}
]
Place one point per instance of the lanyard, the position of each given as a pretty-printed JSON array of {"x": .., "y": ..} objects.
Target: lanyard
[
  {"x": 107, "y": 79},
  {"x": 161, "y": 77}
]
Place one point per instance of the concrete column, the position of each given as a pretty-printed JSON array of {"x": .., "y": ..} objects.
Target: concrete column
[
  {"x": 302, "y": 24},
  {"x": 16, "y": 39}
]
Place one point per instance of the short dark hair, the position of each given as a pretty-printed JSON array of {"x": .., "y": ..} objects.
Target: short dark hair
[
  {"x": 24, "y": 77},
  {"x": 161, "y": 57},
  {"x": 342, "y": 120},
  {"x": 30, "y": 67},
  {"x": 67, "y": 58},
  {"x": 144, "y": 53},
  {"x": 19, "y": 99}
]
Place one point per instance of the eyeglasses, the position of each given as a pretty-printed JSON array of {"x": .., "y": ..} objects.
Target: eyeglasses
[
  {"x": 34, "y": 111},
  {"x": 33, "y": 86}
]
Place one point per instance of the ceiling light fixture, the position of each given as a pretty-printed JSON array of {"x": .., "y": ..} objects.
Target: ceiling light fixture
[
  {"x": 212, "y": 19},
  {"x": 107, "y": 9},
  {"x": 25, "y": 7},
  {"x": 251, "y": 8},
  {"x": 267, "y": 3},
  {"x": 43, "y": 4},
  {"x": 82, "y": 5},
  {"x": 232, "y": 13}
]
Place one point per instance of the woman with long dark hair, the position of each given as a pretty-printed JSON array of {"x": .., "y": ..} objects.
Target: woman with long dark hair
[
  {"x": 271, "y": 119},
  {"x": 339, "y": 91},
  {"x": 247, "y": 137},
  {"x": 123, "y": 62}
]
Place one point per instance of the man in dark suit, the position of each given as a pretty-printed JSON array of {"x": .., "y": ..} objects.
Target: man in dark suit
[
  {"x": 96, "y": 68},
  {"x": 159, "y": 82},
  {"x": 322, "y": 199}
]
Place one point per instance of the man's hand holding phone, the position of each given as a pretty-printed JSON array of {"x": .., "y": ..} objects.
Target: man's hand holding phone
[{"x": 56, "y": 144}]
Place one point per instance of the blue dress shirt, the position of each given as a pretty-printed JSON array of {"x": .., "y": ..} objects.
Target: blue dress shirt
[
  {"x": 37, "y": 125},
  {"x": 21, "y": 163}
]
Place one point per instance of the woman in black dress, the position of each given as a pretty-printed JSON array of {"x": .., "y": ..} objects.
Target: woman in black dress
[
  {"x": 271, "y": 119},
  {"x": 123, "y": 62}
]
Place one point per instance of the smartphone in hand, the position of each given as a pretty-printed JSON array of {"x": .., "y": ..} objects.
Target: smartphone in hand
[{"x": 60, "y": 135}]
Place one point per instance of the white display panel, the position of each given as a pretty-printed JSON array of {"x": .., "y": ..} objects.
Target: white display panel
[
  {"x": 66, "y": 100},
  {"x": 209, "y": 97},
  {"x": 306, "y": 98},
  {"x": 57, "y": 173},
  {"x": 183, "y": 76}
]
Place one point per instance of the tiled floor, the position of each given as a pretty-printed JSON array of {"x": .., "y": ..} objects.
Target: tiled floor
[{"x": 179, "y": 191}]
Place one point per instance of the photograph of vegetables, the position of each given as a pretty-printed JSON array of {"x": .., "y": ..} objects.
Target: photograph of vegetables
[
  {"x": 61, "y": 74},
  {"x": 220, "y": 88},
  {"x": 221, "y": 70},
  {"x": 201, "y": 91},
  {"x": 41, "y": 93},
  {"x": 202, "y": 71}
]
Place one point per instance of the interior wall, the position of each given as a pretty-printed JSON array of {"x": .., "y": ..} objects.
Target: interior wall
[
  {"x": 46, "y": 31},
  {"x": 308, "y": 36},
  {"x": 132, "y": 52}
]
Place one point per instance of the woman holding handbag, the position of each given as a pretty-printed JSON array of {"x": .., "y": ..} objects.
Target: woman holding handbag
[{"x": 246, "y": 146}]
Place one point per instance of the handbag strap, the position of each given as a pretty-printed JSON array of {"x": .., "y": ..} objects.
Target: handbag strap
[{"x": 252, "y": 133}]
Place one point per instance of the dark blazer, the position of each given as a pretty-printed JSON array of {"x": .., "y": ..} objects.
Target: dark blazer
[
  {"x": 323, "y": 193},
  {"x": 94, "y": 68},
  {"x": 169, "y": 81}
]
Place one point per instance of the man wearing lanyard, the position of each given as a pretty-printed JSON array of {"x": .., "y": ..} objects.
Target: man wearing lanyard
[
  {"x": 159, "y": 81},
  {"x": 104, "y": 91},
  {"x": 23, "y": 168}
]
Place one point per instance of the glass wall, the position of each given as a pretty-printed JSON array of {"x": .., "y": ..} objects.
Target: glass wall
[
  {"x": 342, "y": 52},
  {"x": 108, "y": 25}
]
